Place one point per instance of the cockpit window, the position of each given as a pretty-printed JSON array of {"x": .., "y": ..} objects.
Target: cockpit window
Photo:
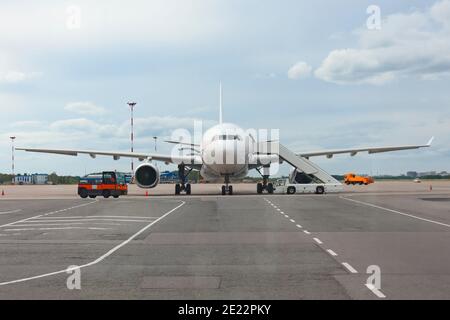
[{"x": 227, "y": 137}]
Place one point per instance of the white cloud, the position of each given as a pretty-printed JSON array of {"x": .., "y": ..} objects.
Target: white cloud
[
  {"x": 26, "y": 124},
  {"x": 415, "y": 45},
  {"x": 17, "y": 76},
  {"x": 148, "y": 23},
  {"x": 70, "y": 133},
  {"x": 299, "y": 70},
  {"x": 87, "y": 108}
]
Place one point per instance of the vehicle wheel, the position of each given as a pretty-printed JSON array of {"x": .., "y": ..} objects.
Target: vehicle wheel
[
  {"x": 106, "y": 193},
  {"x": 230, "y": 190},
  {"x": 83, "y": 193},
  {"x": 177, "y": 189},
  {"x": 92, "y": 196},
  {"x": 188, "y": 189},
  {"x": 320, "y": 190},
  {"x": 360, "y": 183},
  {"x": 116, "y": 196},
  {"x": 291, "y": 190},
  {"x": 259, "y": 188},
  {"x": 223, "y": 190},
  {"x": 270, "y": 188}
]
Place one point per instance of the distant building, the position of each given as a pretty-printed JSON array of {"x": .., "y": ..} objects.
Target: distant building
[
  {"x": 412, "y": 174},
  {"x": 428, "y": 173},
  {"x": 168, "y": 177},
  {"x": 36, "y": 178}
]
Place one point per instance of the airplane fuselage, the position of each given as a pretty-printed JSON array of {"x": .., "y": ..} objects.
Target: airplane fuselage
[{"x": 225, "y": 151}]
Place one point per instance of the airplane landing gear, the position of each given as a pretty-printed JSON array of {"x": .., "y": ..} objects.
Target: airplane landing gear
[
  {"x": 183, "y": 186},
  {"x": 265, "y": 185},
  {"x": 227, "y": 189}
]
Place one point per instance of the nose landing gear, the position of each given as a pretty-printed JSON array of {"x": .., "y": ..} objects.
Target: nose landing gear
[{"x": 227, "y": 189}]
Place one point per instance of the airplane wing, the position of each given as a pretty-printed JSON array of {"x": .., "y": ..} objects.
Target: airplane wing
[
  {"x": 183, "y": 143},
  {"x": 186, "y": 159},
  {"x": 353, "y": 152}
]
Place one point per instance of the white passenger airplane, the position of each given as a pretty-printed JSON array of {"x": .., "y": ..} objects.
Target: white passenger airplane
[{"x": 226, "y": 153}]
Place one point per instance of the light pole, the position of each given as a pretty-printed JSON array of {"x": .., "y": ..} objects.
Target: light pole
[
  {"x": 12, "y": 155},
  {"x": 131, "y": 105},
  {"x": 156, "y": 138}
]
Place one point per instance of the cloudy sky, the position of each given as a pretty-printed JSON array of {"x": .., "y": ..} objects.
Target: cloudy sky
[{"x": 324, "y": 72}]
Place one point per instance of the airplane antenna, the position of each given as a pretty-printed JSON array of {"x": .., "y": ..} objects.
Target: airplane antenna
[{"x": 220, "y": 102}]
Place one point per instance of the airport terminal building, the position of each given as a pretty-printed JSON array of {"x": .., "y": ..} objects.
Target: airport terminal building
[{"x": 36, "y": 178}]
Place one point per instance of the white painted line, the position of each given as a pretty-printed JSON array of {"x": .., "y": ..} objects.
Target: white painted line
[
  {"x": 101, "y": 258},
  {"x": 299, "y": 226},
  {"x": 65, "y": 224},
  {"x": 398, "y": 212},
  {"x": 334, "y": 254},
  {"x": 278, "y": 209},
  {"x": 45, "y": 214},
  {"x": 12, "y": 211},
  {"x": 87, "y": 217},
  {"x": 292, "y": 220},
  {"x": 306, "y": 231},
  {"x": 286, "y": 216},
  {"x": 349, "y": 267},
  {"x": 282, "y": 212},
  {"x": 62, "y": 228},
  {"x": 318, "y": 240},
  {"x": 83, "y": 220},
  {"x": 377, "y": 292}
]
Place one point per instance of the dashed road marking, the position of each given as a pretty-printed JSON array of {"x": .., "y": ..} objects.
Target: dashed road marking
[
  {"x": 306, "y": 231},
  {"x": 299, "y": 226},
  {"x": 318, "y": 240},
  {"x": 292, "y": 220},
  {"x": 349, "y": 267},
  {"x": 334, "y": 254}
]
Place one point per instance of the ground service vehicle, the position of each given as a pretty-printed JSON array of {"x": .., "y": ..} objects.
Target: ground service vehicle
[
  {"x": 287, "y": 186},
  {"x": 106, "y": 184},
  {"x": 351, "y": 178}
]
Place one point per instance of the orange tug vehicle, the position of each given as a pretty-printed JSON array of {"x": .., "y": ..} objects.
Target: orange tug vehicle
[
  {"x": 351, "y": 178},
  {"x": 106, "y": 184}
]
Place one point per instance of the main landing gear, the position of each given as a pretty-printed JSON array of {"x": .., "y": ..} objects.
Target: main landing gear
[
  {"x": 227, "y": 189},
  {"x": 183, "y": 186},
  {"x": 265, "y": 185}
]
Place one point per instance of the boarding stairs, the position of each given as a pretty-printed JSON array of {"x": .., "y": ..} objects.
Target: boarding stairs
[{"x": 298, "y": 162}]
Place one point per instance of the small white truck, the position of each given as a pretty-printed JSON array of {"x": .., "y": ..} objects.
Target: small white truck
[{"x": 285, "y": 186}]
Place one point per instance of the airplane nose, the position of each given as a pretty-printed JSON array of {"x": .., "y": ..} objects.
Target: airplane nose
[{"x": 225, "y": 156}]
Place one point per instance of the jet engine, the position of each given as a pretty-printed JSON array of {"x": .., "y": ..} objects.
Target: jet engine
[{"x": 146, "y": 175}]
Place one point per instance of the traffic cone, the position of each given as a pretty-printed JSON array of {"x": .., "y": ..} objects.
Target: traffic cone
[
  {"x": 146, "y": 193},
  {"x": 431, "y": 187},
  {"x": 3, "y": 192}
]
